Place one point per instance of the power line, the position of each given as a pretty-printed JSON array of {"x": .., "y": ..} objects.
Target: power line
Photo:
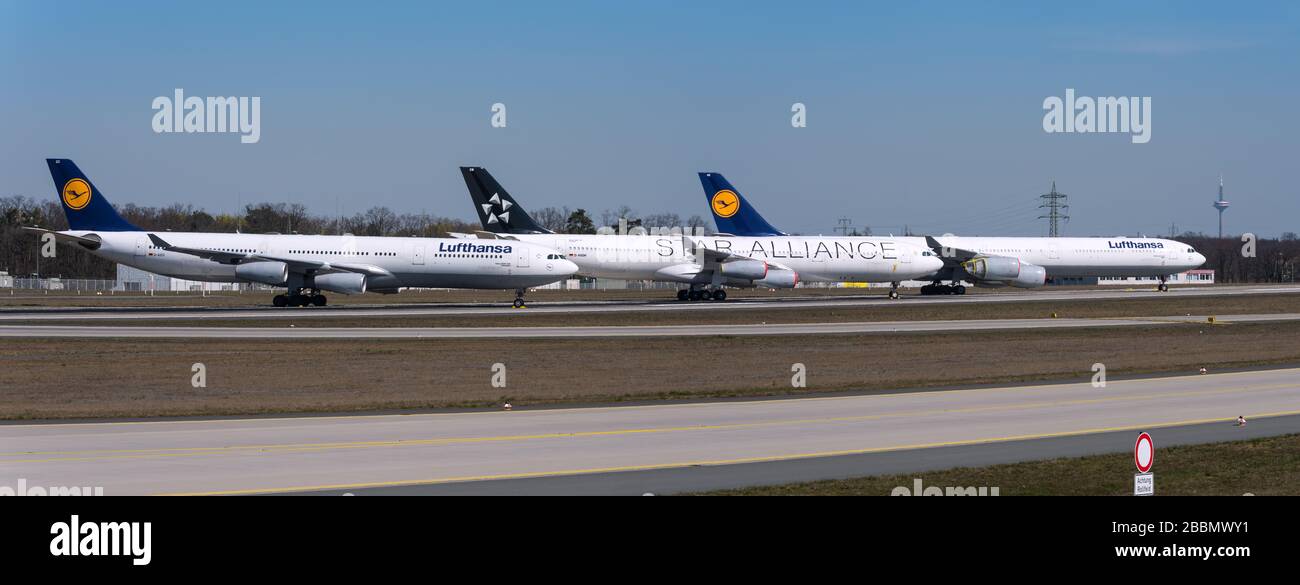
[{"x": 1056, "y": 206}]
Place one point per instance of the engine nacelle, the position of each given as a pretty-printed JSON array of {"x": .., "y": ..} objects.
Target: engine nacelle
[
  {"x": 272, "y": 273},
  {"x": 993, "y": 267},
  {"x": 348, "y": 283},
  {"x": 744, "y": 269},
  {"x": 1031, "y": 276},
  {"x": 779, "y": 278}
]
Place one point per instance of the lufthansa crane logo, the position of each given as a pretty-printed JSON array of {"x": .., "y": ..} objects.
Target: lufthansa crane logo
[
  {"x": 76, "y": 194},
  {"x": 725, "y": 203}
]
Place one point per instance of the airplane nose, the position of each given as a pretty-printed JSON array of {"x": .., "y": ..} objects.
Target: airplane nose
[
  {"x": 1200, "y": 258},
  {"x": 566, "y": 267}
]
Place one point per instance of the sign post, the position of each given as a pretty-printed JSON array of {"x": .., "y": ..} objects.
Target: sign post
[{"x": 1144, "y": 455}]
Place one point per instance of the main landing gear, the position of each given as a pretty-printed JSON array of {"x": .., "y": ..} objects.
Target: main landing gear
[
  {"x": 1163, "y": 286},
  {"x": 519, "y": 298},
  {"x": 937, "y": 288},
  {"x": 700, "y": 294},
  {"x": 300, "y": 298}
]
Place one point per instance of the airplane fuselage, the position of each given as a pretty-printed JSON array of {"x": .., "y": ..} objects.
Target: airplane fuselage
[
  {"x": 411, "y": 262},
  {"x": 668, "y": 257},
  {"x": 1085, "y": 257}
]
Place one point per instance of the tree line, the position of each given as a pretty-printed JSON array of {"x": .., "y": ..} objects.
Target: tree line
[{"x": 1274, "y": 260}]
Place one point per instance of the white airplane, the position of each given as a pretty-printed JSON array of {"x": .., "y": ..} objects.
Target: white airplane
[
  {"x": 1022, "y": 262},
  {"x": 705, "y": 264},
  {"x": 305, "y": 265}
]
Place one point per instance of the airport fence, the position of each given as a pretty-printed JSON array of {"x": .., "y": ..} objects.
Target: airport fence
[
  {"x": 68, "y": 284},
  {"x": 110, "y": 286}
]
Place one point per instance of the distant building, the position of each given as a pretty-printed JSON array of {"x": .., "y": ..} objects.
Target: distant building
[
  {"x": 133, "y": 279},
  {"x": 6, "y": 281},
  {"x": 1190, "y": 277}
]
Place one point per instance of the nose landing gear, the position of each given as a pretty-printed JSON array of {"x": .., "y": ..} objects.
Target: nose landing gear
[{"x": 519, "y": 298}]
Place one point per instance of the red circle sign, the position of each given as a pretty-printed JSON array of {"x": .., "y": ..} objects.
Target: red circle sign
[{"x": 1144, "y": 453}]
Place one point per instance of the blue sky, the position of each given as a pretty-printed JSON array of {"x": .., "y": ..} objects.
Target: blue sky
[{"x": 926, "y": 114}]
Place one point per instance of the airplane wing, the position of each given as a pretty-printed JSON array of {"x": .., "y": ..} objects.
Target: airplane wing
[
  {"x": 296, "y": 265},
  {"x": 318, "y": 267},
  {"x": 89, "y": 243},
  {"x": 484, "y": 235},
  {"x": 214, "y": 255},
  {"x": 367, "y": 269},
  {"x": 947, "y": 254},
  {"x": 712, "y": 258}
]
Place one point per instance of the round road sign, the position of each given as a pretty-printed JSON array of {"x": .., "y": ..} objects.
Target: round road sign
[{"x": 1144, "y": 453}]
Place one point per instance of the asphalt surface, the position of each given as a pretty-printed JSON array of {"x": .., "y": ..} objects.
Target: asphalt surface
[
  {"x": 791, "y": 439},
  {"x": 282, "y": 332},
  {"x": 867, "y": 299},
  {"x": 707, "y": 478}
]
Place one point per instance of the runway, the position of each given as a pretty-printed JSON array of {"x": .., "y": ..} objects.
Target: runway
[
  {"x": 276, "y": 455},
  {"x": 723, "y": 477},
  {"x": 867, "y": 299},
  {"x": 131, "y": 332}
]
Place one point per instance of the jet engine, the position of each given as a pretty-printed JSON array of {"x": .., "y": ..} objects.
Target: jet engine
[
  {"x": 348, "y": 283},
  {"x": 779, "y": 278},
  {"x": 745, "y": 269},
  {"x": 272, "y": 273},
  {"x": 994, "y": 271},
  {"x": 993, "y": 267},
  {"x": 1031, "y": 276}
]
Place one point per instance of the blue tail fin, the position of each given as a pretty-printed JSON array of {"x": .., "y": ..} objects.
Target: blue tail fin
[
  {"x": 85, "y": 206},
  {"x": 731, "y": 212}
]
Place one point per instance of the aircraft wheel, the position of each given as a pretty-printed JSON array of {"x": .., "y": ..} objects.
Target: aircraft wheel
[
  {"x": 961, "y": 289},
  {"x": 719, "y": 295},
  {"x": 682, "y": 294},
  {"x": 280, "y": 301},
  {"x": 695, "y": 295},
  {"x": 319, "y": 300},
  {"x": 519, "y": 303},
  {"x": 893, "y": 294}
]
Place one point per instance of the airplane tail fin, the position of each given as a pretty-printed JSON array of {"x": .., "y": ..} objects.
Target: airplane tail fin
[
  {"x": 731, "y": 212},
  {"x": 83, "y": 204},
  {"x": 497, "y": 210}
]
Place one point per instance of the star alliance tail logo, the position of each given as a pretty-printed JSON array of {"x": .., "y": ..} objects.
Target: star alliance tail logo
[
  {"x": 502, "y": 216},
  {"x": 76, "y": 194}
]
